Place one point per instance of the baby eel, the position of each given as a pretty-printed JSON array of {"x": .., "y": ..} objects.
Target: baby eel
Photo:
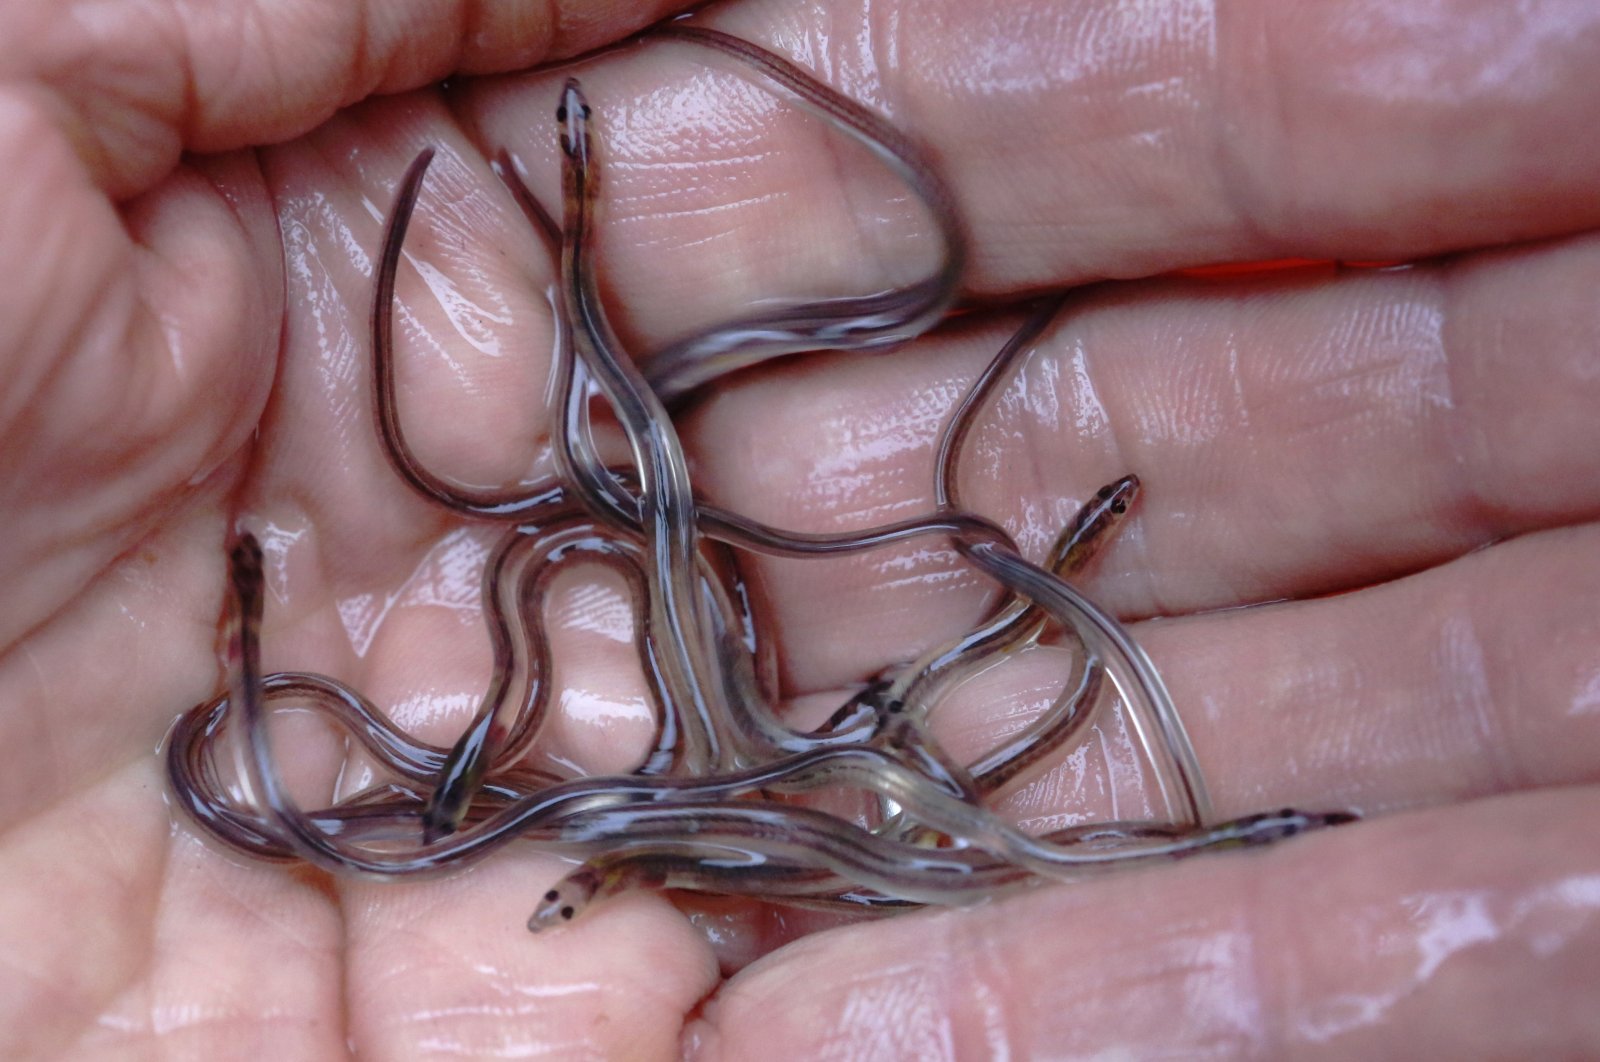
[
  {"x": 607, "y": 492},
  {"x": 644, "y": 418},
  {"x": 666, "y": 501},
  {"x": 752, "y": 729},
  {"x": 721, "y": 847},
  {"x": 503, "y": 504},
  {"x": 756, "y": 730},
  {"x": 700, "y": 812},
  {"x": 859, "y": 323},
  {"x": 516, "y": 581},
  {"x": 615, "y": 815},
  {"x": 1019, "y": 623},
  {"x": 868, "y": 767},
  {"x": 583, "y": 306},
  {"x": 606, "y": 495},
  {"x": 1154, "y": 718},
  {"x": 468, "y": 761},
  {"x": 540, "y": 553}
]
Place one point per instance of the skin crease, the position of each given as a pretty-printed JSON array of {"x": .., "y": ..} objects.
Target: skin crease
[{"x": 1410, "y": 454}]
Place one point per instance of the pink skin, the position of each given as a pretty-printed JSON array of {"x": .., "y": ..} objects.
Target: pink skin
[{"x": 1411, "y": 453}]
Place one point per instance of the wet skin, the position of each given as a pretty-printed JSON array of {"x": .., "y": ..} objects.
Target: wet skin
[{"x": 1421, "y": 439}]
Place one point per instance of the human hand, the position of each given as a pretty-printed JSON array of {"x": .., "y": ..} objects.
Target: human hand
[{"x": 1300, "y": 434}]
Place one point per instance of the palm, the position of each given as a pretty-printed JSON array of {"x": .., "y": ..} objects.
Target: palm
[{"x": 1299, "y": 435}]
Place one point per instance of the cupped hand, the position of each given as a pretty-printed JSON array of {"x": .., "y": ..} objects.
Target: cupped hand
[{"x": 1396, "y": 466}]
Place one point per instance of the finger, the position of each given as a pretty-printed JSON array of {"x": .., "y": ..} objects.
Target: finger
[
  {"x": 137, "y": 84},
  {"x": 98, "y": 685},
  {"x": 1385, "y": 937},
  {"x": 186, "y": 952},
  {"x": 451, "y": 963},
  {"x": 50, "y": 998},
  {"x": 1082, "y": 141},
  {"x": 1476, "y": 678},
  {"x": 138, "y": 352},
  {"x": 1295, "y": 436}
]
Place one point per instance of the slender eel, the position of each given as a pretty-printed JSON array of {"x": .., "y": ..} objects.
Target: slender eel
[
  {"x": 752, "y": 729},
  {"x": 1019, "y": 623},
  {"x": 869, "y": 767},
  {"x": 515, "y": 583},
  {"x": 859, "y": 323},
  {"x": 666, "y": 498},
  {"x": 508, "y": 504},
  {"x": 755, "y": 728},
  {"x": 651, "y": 434},
  {"x": 630, "y": 815},
  {"x": 711, "y": 807},
  {"x": 740, "y": 868},
  {"x": 703, "y": 846},
  {"x": 1154, "y": 718},
  {"x": 618, "y": 499}
]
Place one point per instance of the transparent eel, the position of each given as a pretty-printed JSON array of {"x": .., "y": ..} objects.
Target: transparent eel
[
  {"x": 1017, "y": 624},
  {"x": 749, "y": 716},
  {"x": 1154, "y": 718},
  {"x": 551, "y": 495},
  {"x": 578, "y": 539},
  {"x": 579, "y": 168},
  {"x": 477, "y": 745},
  {"x": 647, "y": 822},
  {"x": 867, "y": 767},
  {"x": 666, "y": 499},
  {"x": 645, "y": 818},
  {"x": 200, "y": 791},
  {"x": 886, "y": 142},
  {"x": 472, "y": 750},
  {"x": 849, "y": 321},
  {"x": 754, "y": 730},
  {"x": 192, "y": 779},
  {"x": 677, "y": 863},
  {"x": 545, "y": 501},
  {"x": 710, "y": 847},
  {"x": 539, "y": 500},
  {"x": 502, "y": 504},
  {"x": 857, "y": 323},
  {"x": 516, "y": 581},
  {"x": 204, "y": 795}
]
